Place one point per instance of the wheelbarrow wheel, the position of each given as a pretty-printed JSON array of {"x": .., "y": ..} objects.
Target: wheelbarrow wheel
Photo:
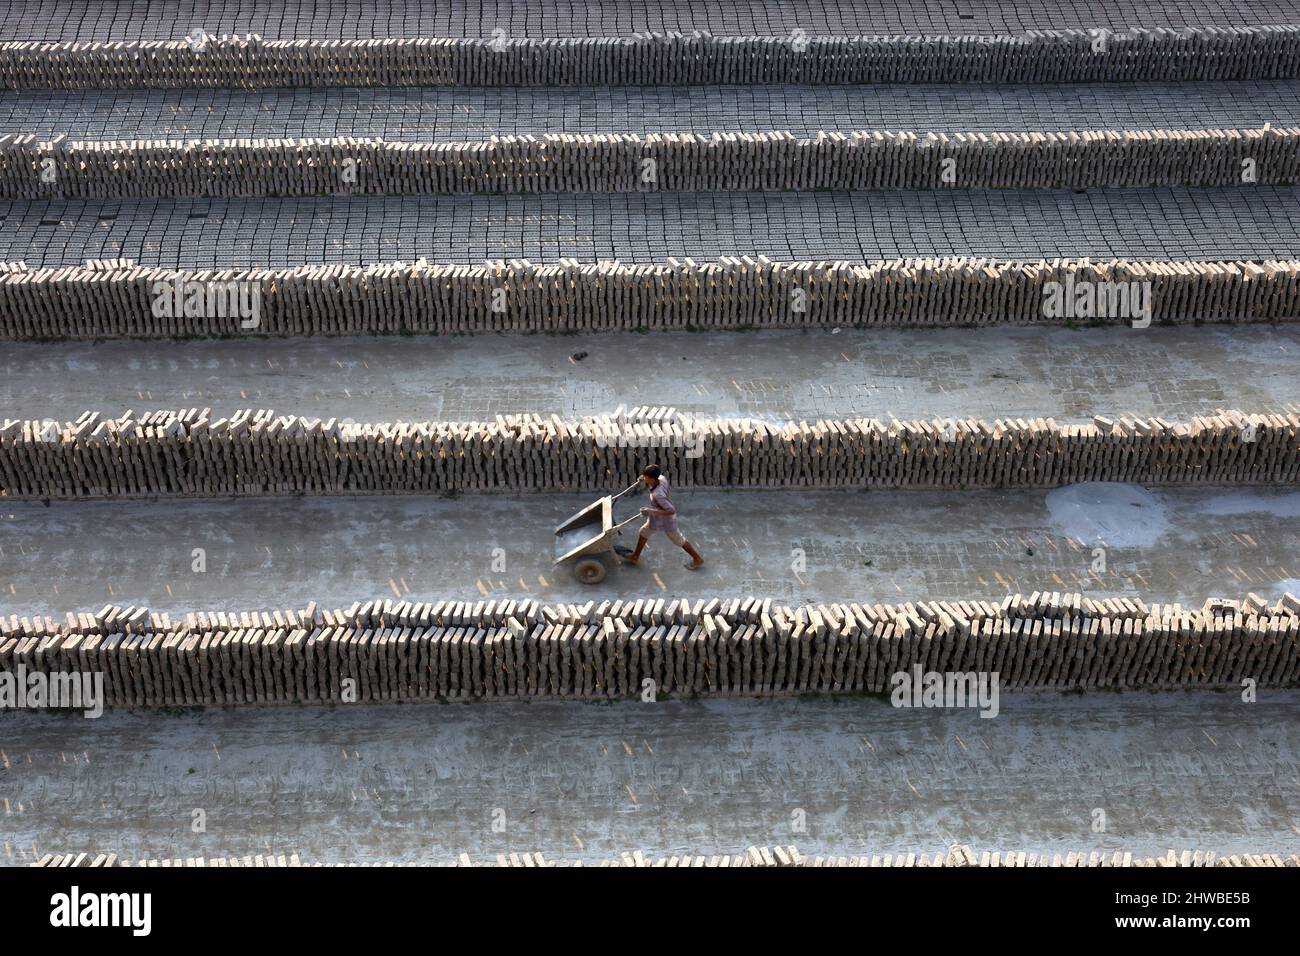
[{"x": 590, "y": 570}]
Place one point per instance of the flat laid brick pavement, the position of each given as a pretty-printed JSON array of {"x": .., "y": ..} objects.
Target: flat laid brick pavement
[
  {"x": 343, "y": 19},
  {"x": 1256, "y": 222},
  {"x": 439, "y": 114}
]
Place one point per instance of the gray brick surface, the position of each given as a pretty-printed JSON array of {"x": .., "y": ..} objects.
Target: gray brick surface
[
  {"x": 1208, "y": 224},
  {"x": 166, "y": 19},
  {"x": 433, "y": 114}
]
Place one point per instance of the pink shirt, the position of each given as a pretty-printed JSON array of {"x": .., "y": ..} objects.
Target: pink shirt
[{"x": 660, "y": 500}]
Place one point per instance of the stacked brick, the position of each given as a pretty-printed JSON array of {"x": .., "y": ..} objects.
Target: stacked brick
[
  {"x": 385, "y": 651},
  {"x": 673, "y": 59},
  {"x": 628, "y": 163},
  {"x": 189, "y": 453},
  {"x": 113, "y": 859},
  {"x": 126, "y": 300},
  {"x": 956, "y": 856},
  {"x": 755, "y": 856}
]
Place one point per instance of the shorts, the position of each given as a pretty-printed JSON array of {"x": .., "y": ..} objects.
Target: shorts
[{"x": 676, "y": 537}]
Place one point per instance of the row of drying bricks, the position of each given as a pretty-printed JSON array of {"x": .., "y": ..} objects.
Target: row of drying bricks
[
  {"x": 118, "y": 298},
  {"x": 755, "y": 856},
  {"x": 631, "y": 163},
  {"x": 640, "y": 612},
  {"x": 539, "y": 654},
  {"x": 258, "y": 453},
  {"x": 1063, "y": 56}
]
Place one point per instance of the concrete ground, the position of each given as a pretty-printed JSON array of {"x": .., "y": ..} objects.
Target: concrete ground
[
  {"x": 419, "y": 784},
  {"x": 1175, "y": 372},
  {"x": 1182, "y": 544}
]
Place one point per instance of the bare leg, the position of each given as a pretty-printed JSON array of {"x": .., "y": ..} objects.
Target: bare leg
[
  {"x": 635, "y": 556},
  {"x": 696, "y": 558}
]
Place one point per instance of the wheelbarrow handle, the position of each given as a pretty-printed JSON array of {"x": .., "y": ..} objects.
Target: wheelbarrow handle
[
  {"x": 635, "y": 484},
  {"x": 635, "y": 517}
]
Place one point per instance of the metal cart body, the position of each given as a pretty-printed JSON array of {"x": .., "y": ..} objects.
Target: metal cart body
[{"x": 589, "y": 536}]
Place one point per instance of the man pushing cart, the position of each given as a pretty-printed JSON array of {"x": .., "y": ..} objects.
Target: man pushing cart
[
  {"x": 588, "y": 536},
  {"x": 661, "y": 516}
]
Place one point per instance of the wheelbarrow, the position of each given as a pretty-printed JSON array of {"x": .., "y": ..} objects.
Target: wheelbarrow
[{"x": 589, "y": 536}]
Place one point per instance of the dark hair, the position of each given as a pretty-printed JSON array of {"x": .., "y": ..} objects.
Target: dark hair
[{"x": 651, "y": 471}]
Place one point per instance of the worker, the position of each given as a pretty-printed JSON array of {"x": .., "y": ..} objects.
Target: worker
[{"x": 661, "y": 516}]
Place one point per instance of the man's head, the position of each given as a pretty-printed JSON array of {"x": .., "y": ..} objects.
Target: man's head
[{"x": 650, "y": 475}]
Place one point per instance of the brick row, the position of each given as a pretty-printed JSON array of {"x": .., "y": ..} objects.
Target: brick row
[
  {"x": 386, "y": 651},
  {"x": 188, "y": 453},
  {"x": 1047, "y": 56},
  {"x": 116, "y": 298},
  {"x": 755, "y": 856},
  {"x": 626, "y": 162}
]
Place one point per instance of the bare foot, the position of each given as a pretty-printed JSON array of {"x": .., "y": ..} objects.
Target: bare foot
[
  {"x": 694, "y": 565},
  {"x": 628, "y": 559}
]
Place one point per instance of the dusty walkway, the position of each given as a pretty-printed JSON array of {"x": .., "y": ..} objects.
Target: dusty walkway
[
  {"x": 1173, "y": 544},
  {"x": 776, "y": 375},
  {"x": 421, "y": 783}
]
